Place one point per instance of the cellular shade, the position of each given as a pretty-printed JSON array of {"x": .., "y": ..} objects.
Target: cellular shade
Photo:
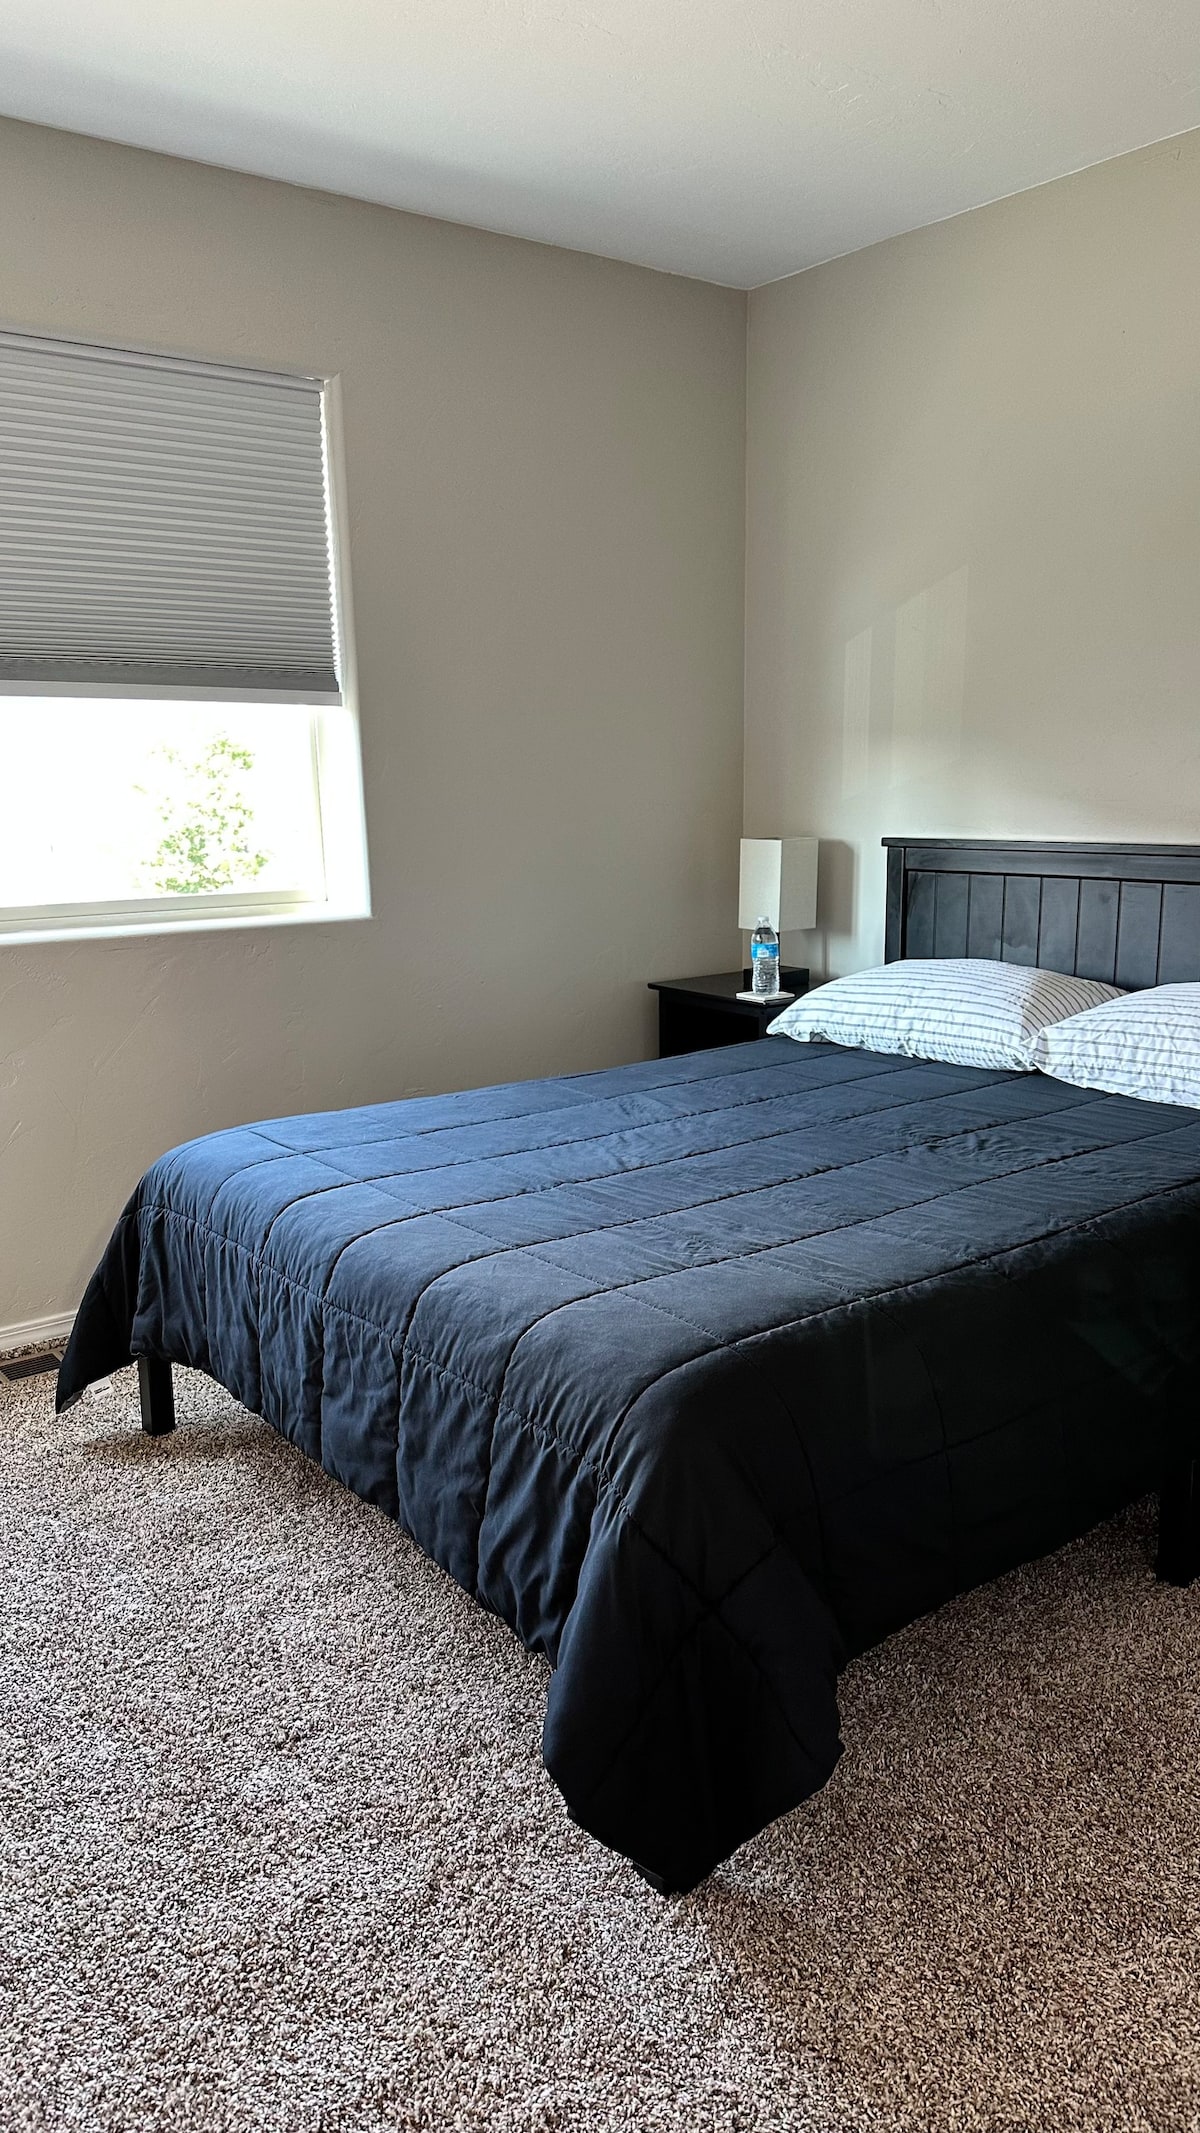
[{"x": 164, "y": 527}]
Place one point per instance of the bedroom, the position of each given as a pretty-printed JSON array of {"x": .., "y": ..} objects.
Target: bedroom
[{"x": 698, "y": 483}]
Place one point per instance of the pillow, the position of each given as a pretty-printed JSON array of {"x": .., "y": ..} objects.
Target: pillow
[
  {"x": 960, "y": 1009},
  {"x": 1144, "y": 1044}
]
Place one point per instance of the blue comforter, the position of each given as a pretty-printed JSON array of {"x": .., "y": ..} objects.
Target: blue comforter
[{"x": 702, "y": 1373}]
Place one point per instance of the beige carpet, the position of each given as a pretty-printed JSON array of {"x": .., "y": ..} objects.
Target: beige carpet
[{"x": 276, "y": 1847}]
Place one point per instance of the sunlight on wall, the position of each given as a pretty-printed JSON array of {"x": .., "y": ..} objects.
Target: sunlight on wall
[{"x": 903, "y": 690}]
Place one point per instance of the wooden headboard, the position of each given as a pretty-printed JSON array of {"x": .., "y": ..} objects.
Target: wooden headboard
[{"x": 1128, "y": 913}]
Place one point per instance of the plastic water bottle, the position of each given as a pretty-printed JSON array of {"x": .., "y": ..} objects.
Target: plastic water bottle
[{"x": 764, "y": 959}]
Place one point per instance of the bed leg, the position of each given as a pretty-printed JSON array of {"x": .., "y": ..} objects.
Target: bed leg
[
  {"x": 1179, "y": 1523},
  {"x": 156, "y": 1394}
]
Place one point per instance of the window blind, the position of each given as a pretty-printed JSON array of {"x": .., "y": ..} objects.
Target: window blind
[{"x": 164, "y": 527}]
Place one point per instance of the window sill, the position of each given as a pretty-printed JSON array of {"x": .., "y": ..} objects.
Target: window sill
[{"x": 169, "y": 914}]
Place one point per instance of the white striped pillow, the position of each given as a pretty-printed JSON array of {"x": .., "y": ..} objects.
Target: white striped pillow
[
  {"x": 1145, "y": 1044},
  {"x": 961, "y": 1009}
]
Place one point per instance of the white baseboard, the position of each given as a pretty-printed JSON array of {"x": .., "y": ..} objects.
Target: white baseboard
[{"x": 36, "y": 1333}]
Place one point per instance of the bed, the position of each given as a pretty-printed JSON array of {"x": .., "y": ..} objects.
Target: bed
[{"x": 706, "y": 1373}]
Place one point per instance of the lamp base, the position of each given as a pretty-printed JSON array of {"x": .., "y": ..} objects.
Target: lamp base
[{"x": 791, "y": 978}]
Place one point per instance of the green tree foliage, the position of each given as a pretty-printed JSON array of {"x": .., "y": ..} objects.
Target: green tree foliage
[{"x": 207, "y": 823}]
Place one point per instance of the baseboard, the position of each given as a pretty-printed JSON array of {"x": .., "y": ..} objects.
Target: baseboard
[{"x": 36, "y": 1333}]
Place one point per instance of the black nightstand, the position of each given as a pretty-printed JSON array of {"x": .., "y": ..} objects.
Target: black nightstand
[{"x": 695, "y": 1014}]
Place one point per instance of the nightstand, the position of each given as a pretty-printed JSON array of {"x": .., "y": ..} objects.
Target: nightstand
[{"x": 694, "y": 1014}]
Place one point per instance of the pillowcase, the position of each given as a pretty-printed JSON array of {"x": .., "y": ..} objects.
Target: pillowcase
[
  {"x": 961, "y": 1009},
  {"x": 1144, "y": 1044}
]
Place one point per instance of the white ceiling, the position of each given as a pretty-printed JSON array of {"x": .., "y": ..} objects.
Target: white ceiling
[{"x": 737, "y": 140}]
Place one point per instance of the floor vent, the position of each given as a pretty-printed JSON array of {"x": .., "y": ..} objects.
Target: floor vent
[{"x": 28, "y": 1366}]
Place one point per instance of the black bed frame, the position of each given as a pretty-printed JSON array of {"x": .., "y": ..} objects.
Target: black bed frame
[{"x": 1126, "y": 913}]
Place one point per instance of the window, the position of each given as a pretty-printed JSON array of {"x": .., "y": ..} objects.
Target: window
[{"x": 178, "y": 741}]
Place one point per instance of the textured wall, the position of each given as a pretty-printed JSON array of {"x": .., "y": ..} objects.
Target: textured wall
[
  {"x": 973, "y": 538},
  {"x": 545, "y": 471}
]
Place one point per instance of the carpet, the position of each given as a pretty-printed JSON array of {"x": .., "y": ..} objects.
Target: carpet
[{"x": 277, "y": 1850}]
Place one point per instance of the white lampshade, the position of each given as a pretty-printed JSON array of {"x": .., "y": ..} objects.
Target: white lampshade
[{"x": 779, "y": 882}]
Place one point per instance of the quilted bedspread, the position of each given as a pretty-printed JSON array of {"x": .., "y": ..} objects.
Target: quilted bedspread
[{"x": 702, "y": 1373}]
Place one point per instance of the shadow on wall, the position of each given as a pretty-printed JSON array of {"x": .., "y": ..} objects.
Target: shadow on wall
[{"x": 837, "y": 899}]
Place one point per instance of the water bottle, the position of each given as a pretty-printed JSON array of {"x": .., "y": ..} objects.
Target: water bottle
[{"x": 764, "y": 960}]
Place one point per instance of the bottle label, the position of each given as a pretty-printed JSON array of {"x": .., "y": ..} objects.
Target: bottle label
[{"x": 764, "y": 948}]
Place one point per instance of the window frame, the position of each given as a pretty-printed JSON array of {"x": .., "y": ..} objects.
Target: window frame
[{"x": 337, "y": 775}]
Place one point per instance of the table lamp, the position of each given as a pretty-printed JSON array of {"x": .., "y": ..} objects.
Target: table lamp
[{"x": 778, "y": 880}]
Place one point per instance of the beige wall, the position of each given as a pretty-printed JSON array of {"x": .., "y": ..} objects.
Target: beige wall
[
  {"x": 973, "y": 607},
  {"x": 973, "y": 539},
  {"x": 545, "y": 470}
]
